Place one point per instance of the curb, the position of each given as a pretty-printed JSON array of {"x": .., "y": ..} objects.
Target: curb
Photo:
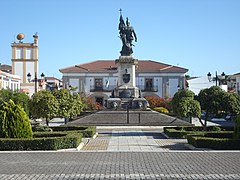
[{"x": 80, "y": 146}]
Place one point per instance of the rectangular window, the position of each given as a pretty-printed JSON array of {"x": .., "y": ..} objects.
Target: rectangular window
[
  {"x": 19, "y": 53},
  {"x": 148, "y": 83},
  {"x": 29, "y": 53},
  {"x": 98, "y": 84}
]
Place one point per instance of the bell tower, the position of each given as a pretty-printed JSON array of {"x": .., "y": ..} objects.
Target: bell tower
[{"x": 25, "y": 58}]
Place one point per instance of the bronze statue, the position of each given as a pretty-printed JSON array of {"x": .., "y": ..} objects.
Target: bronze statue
[{"x": 127, "y": 35}]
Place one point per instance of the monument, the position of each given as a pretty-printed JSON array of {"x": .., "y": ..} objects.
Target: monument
[{"x": 126, "y": 94}]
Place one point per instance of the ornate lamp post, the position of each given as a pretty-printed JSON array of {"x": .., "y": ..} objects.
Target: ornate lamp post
[
  {"x": 35, "y": 80},
  {"x": 216, "y": 78}
]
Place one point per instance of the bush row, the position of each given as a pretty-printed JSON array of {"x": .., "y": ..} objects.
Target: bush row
[
  {"x": 183, "y": 131},
  {"x": 42, "y": 141},
  {"x": 210, "y": 140},
  {"x": 87, "y": 131}
]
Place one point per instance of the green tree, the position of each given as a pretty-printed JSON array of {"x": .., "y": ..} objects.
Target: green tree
[
  {"x": 14, "y": 122},
  {"x": 231, "y": 103},
  {"x": 63, "y": 96},
  {"x": 19, "y": 98},
  {"x": 44, "y": 105},
  {"x": 77, "y": 105},
  {"x": 70, "y": 103},
  {"x": 214, "y": 99},
  {"x": 184, "y": 105}
]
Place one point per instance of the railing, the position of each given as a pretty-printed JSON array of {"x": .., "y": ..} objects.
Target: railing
[
  {"x": 102, "y": 89},
  {"x": 148, "y": 89},
  {"x": 111, "y": 87}
]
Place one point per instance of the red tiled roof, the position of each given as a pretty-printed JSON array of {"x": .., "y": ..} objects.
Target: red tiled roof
[
  {"x": 52, "y": 78},
  {"x": 107, "y": 65}
]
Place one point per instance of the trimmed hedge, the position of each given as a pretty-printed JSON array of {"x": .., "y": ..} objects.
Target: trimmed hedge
[
  {"x": 218, "y": 141},
  {"x": 183, "y": 131},
  {"x": 87, "y": 131},
  {"x": 42, "y": 141}
]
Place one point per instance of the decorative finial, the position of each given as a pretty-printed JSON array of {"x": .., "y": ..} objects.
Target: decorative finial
[{"x": 20, "y": 37}]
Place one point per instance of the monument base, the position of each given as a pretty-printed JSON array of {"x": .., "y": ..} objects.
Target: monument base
[{"x": 126, "y": 95}]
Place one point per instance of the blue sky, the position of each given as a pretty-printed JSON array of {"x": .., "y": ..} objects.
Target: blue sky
[{"x": 201, "y": 35}]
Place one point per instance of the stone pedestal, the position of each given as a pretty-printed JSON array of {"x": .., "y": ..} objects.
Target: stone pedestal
[{"x": 126, "y": 89}]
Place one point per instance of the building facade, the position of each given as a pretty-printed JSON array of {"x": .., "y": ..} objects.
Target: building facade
[
  {"x": 25, "y": 63},
  {"x": 9, "y": 81},
  {"x": 98, "y": 78},
  {"x": 53, "y": 83}
]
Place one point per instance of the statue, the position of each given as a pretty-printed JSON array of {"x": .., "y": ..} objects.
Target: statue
[{"x": 127, "y": 35}]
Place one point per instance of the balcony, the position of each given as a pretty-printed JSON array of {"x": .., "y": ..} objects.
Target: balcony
[
  {"x": 148, "y": 89},
  {"x": 102, "y": 88},
  {"x": 111, "y": 87}
]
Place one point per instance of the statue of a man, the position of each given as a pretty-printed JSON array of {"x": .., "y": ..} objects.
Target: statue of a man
[{"x": 127, "y": 35}]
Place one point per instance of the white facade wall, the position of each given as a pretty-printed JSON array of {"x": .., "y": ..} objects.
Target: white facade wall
[
  {"x": 74, "y": 82},
  {"x": 199, "y": 83},
  {"x": 173, "y": 87},
  {"x": 166, "y": 84},
  {"x": 9, "y": 81},
  {"x": 30, "y": 68},
  {"x": 19, "y": 69}
]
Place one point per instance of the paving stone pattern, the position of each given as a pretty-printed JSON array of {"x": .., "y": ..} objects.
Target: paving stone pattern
[
  {"x": 133, "y": 140},
  {"x": 119, "y": 165}
]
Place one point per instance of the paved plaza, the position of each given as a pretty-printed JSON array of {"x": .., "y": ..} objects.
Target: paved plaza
[
  {"x": 123, "y": 153},
  {"x": 133, "y": 138},
  {"x": 119, "y": 165}
]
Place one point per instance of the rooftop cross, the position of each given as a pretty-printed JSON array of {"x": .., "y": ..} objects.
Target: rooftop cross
[{"x": 120, "y": 10}]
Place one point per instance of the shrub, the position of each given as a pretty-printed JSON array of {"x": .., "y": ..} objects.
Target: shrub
[
  {"x": 183, "y": 131},
  {"x": 41, "y": 128},
  {"x": 19, "y": 98},
  {"x": 205, "y": 141},
  {"x": 237, "y": 127},
  {"x": 14, "y": 122},
  {"x": 87, "y": 131},
  {"x": 216, "y": 128},
  {"x": 184, "y": 105},
  {"x": 155, "y": 101},
  {"x": 161, "y": 110},
  {"x": 43, "y": 141}
]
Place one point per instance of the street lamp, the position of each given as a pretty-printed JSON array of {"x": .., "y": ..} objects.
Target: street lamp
[
  {"x": 35, "y": 80},
  {"x": 217, "y": 78}
]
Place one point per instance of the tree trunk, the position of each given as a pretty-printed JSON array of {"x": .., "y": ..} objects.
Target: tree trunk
[
  {"x": 200, "y": 120},
  {"x": 47, "y": 121},
  {"x": 205, "y": 122}
]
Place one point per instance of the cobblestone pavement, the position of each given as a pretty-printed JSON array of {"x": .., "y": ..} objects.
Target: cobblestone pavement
[
  {"x": 133, "y": 140},
  {"x": 119, "y": 165}
]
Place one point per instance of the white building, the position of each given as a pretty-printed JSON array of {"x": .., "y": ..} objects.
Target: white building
[
  {"x": 198, "y": 83},
  {"x": 98, "y": 78},
  {"x": 9, "y": 81}
]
